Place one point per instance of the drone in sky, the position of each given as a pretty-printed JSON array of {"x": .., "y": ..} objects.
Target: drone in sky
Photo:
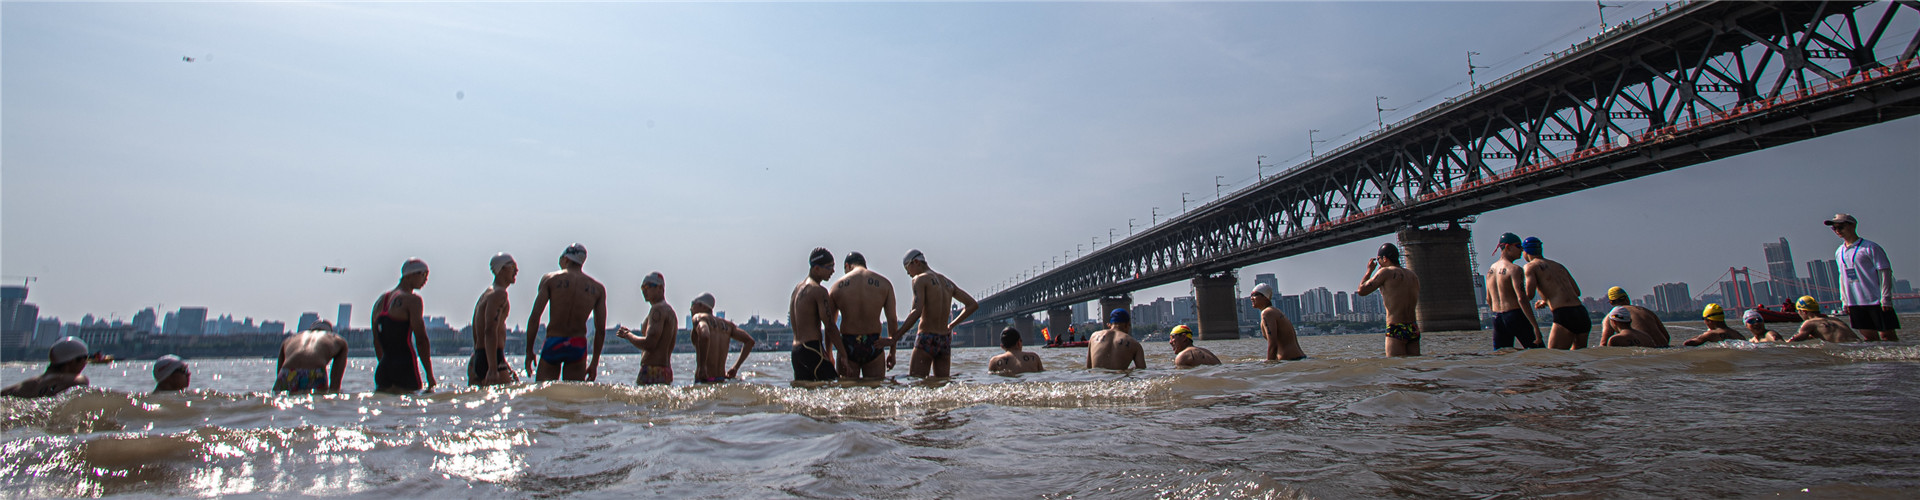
[{"x": 333, "y": 270}]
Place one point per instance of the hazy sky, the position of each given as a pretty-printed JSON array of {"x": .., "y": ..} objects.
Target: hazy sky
[{"x": 718, "y": 143}]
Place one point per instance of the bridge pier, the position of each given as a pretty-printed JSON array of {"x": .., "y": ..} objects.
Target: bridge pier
[
  {"x": 1059, "y": 319},
  {"x": 1215, "y": 301},
  {"x": 1023, "y": 323},
  {"x": 1108, "y": 304},
  {"x": 1439, "y": 257}
]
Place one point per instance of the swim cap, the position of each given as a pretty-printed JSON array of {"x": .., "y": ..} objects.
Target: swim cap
[
  {"x": 1507, "y": 239},
  {"x": 1389, "y": 251},
  {"x": 856, "y": 259},
  {"x": 576, "y": 253},
  {"x": 1807, "y": 303},
  {"x": 820, "y": 257},
  {"x": 67, "y": 349},
  {"x": 413, "y": 265},
  {"x": 321, "y": 325},
  {"x": 1009, "y": 336},
  {"x": 166, "y": 365},
  {"x": 1713, "y": 312},
  {"x": 1753, "y": 316},
  {"x": 1616, "y": 293},
  {"x": 1120, "y": 315},
  {"x": 1531, "y": 245},
  {"x": 654, "y": 279},
  {"x": 1622, "y": 315},
  {"x": 913, "y": 255},
  {"x": 500, "y": 260},
  {"x": 1182, "y": 331},
  {"x": 705, "y": 299},
  {"x": 1264, "y": 290}
]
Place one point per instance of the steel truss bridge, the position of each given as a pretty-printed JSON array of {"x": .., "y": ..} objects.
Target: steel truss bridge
[{"x": 1689, "y": 83}]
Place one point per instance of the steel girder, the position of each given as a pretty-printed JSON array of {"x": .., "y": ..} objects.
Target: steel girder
[{"x": 1693, "y": 82}]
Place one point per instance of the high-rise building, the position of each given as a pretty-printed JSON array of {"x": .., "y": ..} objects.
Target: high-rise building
[
  {"x": 192, "y": 321},
  {"x": 271, "y": 327},
  {"x": 1290, "y": 306},
  {"x": 1902, "y": 287},
  {"x": 1340, "y": 304},
  {"x": 1764, "y": 293},
  {"x": 307, "y": 319},
  {"x": 145, "y": 321},
  {"x": 18, "y": 319},
  {"x": 344, "y": 319},
  {"x": 1825, "y": 278},
  {"x": 1780, "y": 269},
  {"x": 1080, "y": 313},
  {"x": 1183, "y": 311},
  {"x": 1671, "y": 297}
]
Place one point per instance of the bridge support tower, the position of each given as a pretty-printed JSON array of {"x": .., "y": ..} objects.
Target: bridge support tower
[
  {"x": 1059, "y": 319},
  {"x": 1439, "y": 257},
  {"x": 1023, "y": 323},
  {"x": 1216, "y": 300},
  {"x": 1108, "y": 304}
]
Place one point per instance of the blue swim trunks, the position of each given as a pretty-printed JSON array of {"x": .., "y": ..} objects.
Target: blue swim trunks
[{"x": 564, "y": 350}]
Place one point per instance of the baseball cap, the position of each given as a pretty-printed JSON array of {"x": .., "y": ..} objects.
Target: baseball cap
[
  {"x": 500, "y": 260},
  {"x": 1841, "y": 219},
  {"x": 1753, "y": 316},
  {"x": 1264, "y": 289},
  {"x": 1120, "y": 315},
  {"x": 166, "y": 365},
  {"x": 705, "y": 299},
  {"x": 67, "y": 349},
  {"x": 654, "y": 279},
  {"x": 1616, "y": 293},
  {"x": 576, "y": 253},
  {"x": 1621, "y": 314},
  {"x": 1507, "y": 239},
  {"x": 1807, "y": 303},
  {"x": 413, "y": 265},
  {"x": 1713, "y": 312}
]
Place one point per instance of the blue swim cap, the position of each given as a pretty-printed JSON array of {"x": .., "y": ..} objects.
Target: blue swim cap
[
  {"x": 1530, "y": 245},
  {"x": 1120, "y": 315}
]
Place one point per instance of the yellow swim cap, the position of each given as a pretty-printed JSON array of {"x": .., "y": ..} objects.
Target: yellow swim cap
[
  {"x": 1183, "y": 330},
  {"x": 1807, "y": 303},
  {"x": 1616, "y": 293},
  {"x": 1713, "y": 312}
]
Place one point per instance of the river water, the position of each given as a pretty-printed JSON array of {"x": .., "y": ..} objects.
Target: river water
[{"x": 1731, "y": 419}]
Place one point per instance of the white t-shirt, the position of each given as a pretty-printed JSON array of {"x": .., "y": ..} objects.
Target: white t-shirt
[{"x": 1860, "y": 267}]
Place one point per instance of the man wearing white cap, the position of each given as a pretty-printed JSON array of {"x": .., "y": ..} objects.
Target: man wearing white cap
[
  {"x": 170, "y": 374},
  {"x": 712, "y": 336},
  {"x": 1866, "y": 282},
  {"x": 1757, "y": 325},
  {"x": 305, "y": 357},
  {"x": 489, "y": 366},
  {"x": 65, "y": 361},
  {"x": 573, "y": 296},
  {"x": 400, "y": 335},
  {"x": 933, "y": 296},
  {"x": 1624, "y": 335},
  {"x": 859, "y": 298},
  {"x": 656, "y": 335},
  {"x": 1282, "y": 344}
]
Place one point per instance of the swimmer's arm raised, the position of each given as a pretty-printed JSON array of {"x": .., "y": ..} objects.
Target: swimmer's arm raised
[{"x": 1370, "y": 281}]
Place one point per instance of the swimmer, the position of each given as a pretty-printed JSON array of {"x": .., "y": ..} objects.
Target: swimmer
[
  {"x": 1717, "y": 329},
  {"x": 1014, "y": 361},
  {"x": 1400, "y": 291},
  {"x": 1512, "y": 319},
  {"x": 1757, "y": 325},
  {"x": 400, "y": 335},
  {"x": 657, "y": 334},
  {"x": 304, "y": 358},
  {"x": 933, "y": 297},
  {"x": 489, "y": 366},
  {"x": 711, "y": 337},
  {"x": 1114, "y": 347},
  {"x": 1643, "y": 319},
  {"x": 65, "y": 360},
  {"x": 816, "y": 336},
  {"x": 1187, "y": 355},
  {"x": 858, "y": 299},
  {"x": 1623, "y": 333},
  {"x": 1282, "y": 341},
  {"x": 1559, "y": 293},
  {"x": 1817, "y": 325},
  {"x": 170, "y": 374},
  {"x": 572, "y": 296}
]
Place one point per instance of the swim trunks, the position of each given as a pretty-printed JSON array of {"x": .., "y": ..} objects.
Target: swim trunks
[
  {"x": 938, "y": 345},
  {"x": 1574, "y": 318},
  {"x": 1513, "y": 325},
  {"x": 654, "y": 375},
  {"x": 1872, "y": 318},
  {"x": 810, "y": 362},
  {"x": 301, "y": 379},
  {"x": 861, "y": 349},
  {"x": 564, "y": 350},
  {"x": 711, "y": 380},
  {"x": 1403, "y": 331},
  {"x": 478, "y": 367}
]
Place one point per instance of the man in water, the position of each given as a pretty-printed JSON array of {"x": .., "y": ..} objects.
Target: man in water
[
  {"x": 657, "y": 334},
  {"x": 1014, "y": 361},
  {"x": 1757, "y": 325},
  {"x": 304, "y": 358},
  {"x": 65, "y": 360},
  {"x": 1623, "y": 333},
  {"x": 1114, "y": 347},
  {"x": 1187, "y": 355},
  {"x": 573, "y": 295},
  {"x": 489, "y": 366},
  {"x": 1282, "y": 343},
  {"x": 400, "y": 334},
  {"x": 1559, "y": 293},
  {"x": 1717, "y": 329},
  {"x": 170, "y": 374},
  {"x": 711, "y": 337},
  {"x": 1816, "y": 325},
  {"x": 1400, "y": 291},
  {"x": 933, "y": 294},
  {"x": 1866, "y": 282},
  {"x": 1512, "y": 319},
  {"x": 1643, "y": 319},
  {"x": 816, "y": 337},
  {"x": 858, "y": 299}
]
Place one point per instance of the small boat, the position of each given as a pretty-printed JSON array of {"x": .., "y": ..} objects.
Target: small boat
[
  {"x": 1078, "y": 343},
  {"x": 100, "y": 358},
  {"x": 1772, "y": 316}
]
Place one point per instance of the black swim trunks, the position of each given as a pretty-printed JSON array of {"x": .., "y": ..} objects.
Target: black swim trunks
[
  {"x": 810, "y": 362},
  {"x": 1874, "y": 318},
  {"x": 861, "y": 349},
  {"x": 1574, "y": 318},
  {"x": 1513, "y": 325},
  {"x": 935, "y": 344}
]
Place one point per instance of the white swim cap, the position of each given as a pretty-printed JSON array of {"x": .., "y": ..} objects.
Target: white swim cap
[
  {"x": 500, "y": 260},
  {"x": 576, "y": 253},
  {"x": 913, "y": 255},
  {"x": 654, "y": 279},
  {"x": 1264, "y": 290},
  {"x": 413, "y": 265},
  {"x": 67, "y": 349},
  {"x": 1753, "y": 316},
  {"x": 166, "y": 365},
  {"x": 704, "y": 299},
  {"x": 1622, "y": 315},
  {"x": 321, "y": 325}
]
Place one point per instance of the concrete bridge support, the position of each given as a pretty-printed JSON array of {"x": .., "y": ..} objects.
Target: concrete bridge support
[
  {"x": 1058, "y": 320},
  {"x": 1108, "y": 304},
  {"x": 1439, "y": 257},
  {"x": 1023, "y": 323},
  {"x": 1216, "y": 300}
]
